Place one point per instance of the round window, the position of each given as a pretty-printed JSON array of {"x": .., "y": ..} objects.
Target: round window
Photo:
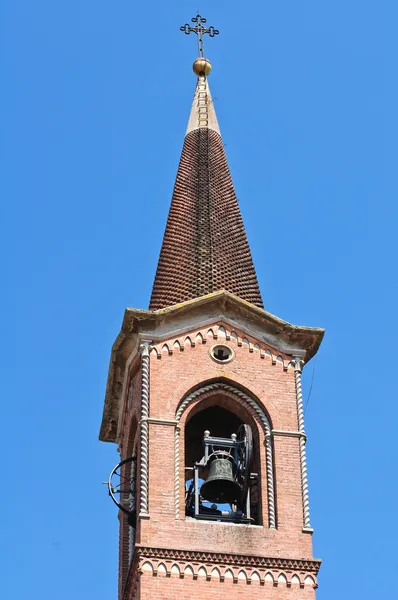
[{"x": 221, "y": 353}]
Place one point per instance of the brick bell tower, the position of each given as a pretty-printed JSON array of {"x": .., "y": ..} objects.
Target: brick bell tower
[{"x": 204, "y": 400}]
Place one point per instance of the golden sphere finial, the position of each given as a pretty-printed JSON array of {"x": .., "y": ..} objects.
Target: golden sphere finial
[{"x": 201, "y": 67}]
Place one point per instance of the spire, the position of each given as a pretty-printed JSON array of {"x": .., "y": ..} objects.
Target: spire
[{"x": 204, "y": 248}]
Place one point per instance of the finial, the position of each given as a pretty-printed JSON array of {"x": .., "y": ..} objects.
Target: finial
[{"x": 202, "y": 65}]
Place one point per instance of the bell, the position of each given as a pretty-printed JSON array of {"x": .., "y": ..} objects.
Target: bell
[{"x": 220, "y": 486}]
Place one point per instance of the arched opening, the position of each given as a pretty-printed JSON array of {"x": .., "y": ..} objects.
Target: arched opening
[{"x": 222, "y": 462}]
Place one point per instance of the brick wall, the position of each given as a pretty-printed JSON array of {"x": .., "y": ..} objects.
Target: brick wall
[{"x": 176, "y": 368}]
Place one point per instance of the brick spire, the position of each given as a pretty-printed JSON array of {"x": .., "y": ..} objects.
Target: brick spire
[{"x": 204, "y": 248}]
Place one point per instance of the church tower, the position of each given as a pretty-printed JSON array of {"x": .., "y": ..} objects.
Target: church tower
[{"x": 204, "y": 400}]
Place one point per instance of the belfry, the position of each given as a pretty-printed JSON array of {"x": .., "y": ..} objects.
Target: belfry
[{"x": 204, "y": 399}]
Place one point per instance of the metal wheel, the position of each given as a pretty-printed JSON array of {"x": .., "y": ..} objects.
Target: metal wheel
[{"x": 121, "y": 487}]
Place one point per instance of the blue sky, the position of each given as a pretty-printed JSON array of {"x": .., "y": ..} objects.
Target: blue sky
[{"x": 95, "y": 101}]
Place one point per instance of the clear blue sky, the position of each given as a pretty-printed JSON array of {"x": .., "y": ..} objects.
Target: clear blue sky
[{"x": 95, "y": 100}]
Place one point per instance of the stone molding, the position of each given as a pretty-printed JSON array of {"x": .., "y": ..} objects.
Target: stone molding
[
  {"x": 244, "y": 399},
  {"x": 144, "y": 349},
  {"x": 298, "y": 368},
  {"x": 220, "y": 567}
]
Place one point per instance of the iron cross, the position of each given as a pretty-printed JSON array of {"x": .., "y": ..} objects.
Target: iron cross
[{"x": 200, "y": 31}]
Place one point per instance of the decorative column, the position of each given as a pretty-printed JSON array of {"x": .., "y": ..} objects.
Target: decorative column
[
  {"x": 298, "y": 368},
  {"x": 144, "y": 349},
  {"x": 270, "y": 477}
]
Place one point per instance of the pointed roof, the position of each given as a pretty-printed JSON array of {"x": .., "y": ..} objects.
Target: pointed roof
[{"x": 204, "y": 248}]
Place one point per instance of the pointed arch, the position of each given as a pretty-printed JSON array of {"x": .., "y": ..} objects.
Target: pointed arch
[
  {"x": 199, "y": 338},
  {"x": 175, "y": 570},
  {"x": 243, "y": 398},
  {"x": 188, "y": 342},
  {"x": 210, "y": 334},
  {"x": 234, "y": 336},
  {"x": 177, "y": 345},
  {"x": 222, "y": 334},
  {"x": 147, "y": 567},
  {"x": 215, "y": 574},
  {"x": 154, "y": 352}
]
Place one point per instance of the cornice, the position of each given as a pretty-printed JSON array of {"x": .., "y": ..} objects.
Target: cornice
[{"x": 239, "y": 560}]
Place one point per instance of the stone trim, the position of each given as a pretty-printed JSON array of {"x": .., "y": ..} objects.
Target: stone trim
[
  {"x": 244, "y": 399},
  {"x": 303, "y": 456},
  {"x": 145, "y": 361},
  {"x": 297, "y": 434},
  {"x": 156, "y": 421}
]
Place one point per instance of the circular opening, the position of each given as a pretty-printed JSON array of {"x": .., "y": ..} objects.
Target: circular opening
[{"x": 221, "y": 353}]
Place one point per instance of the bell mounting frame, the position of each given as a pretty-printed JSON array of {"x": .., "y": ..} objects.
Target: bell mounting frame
[{"x": 245, "y": 457}]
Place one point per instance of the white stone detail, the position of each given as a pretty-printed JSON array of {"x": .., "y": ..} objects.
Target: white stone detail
[
  {"x": 147, "y": 567},
  {"x": 269, "y": 577},
  {"x": 144, "y": 348},
  {"x": 309, "y": 581},
  {"x": 242, "y": 575},
  {"x": 295, "y": 580},
  {"x": 303, "y": 455},
  {"x": 162, "y": 569},
  {"x": 255, "y": 576},
  {"x": 188, "y": 570},
  {"x": 188, "y": 342},
  {"x": 175, "y": 570},
  {"x": 222, "y": 334},
  {"x": 202, "y": 111},
  {"x": 228, "y": 574},
  {"x": 199, "y": 338},
  {"x": 202, "y": 572}
]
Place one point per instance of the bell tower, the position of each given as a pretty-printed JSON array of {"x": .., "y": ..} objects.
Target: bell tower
[{"x": 204, "y": 400}]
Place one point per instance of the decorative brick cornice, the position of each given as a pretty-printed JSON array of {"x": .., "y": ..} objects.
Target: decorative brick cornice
[{"x": 238, "y": 560}]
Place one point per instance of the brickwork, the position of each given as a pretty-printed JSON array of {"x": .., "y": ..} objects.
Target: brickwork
[
  {"x": 177, "y": 367},
  {"x": 205, "y": 246},
  {"x": 174, "y": 587}
]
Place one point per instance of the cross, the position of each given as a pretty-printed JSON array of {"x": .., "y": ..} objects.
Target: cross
[{"x": 199, "y": 30}]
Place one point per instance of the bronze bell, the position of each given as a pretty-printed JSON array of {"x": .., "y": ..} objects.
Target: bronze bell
[{"x": 220, "y": 486}]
